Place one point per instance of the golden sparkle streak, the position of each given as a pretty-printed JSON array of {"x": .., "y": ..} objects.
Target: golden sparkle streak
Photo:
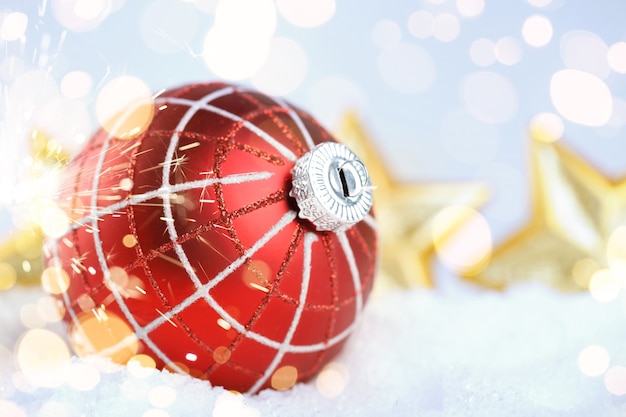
[
  {"x": 405, "y": 213},
  {"x": 575, "y": 213}
]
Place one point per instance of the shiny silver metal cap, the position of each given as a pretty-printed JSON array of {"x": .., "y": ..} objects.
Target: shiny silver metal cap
[{"x": 332, "y": 187}]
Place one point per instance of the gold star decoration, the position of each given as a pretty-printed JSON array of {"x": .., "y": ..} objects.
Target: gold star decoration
[
  {"x": 405, "y": 213},
  {"x": 577, "y": 217},
  {"x": 20, "y": 253}
]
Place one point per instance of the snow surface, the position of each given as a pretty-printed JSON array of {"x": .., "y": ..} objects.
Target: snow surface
[{"x": 416, "y": 353}]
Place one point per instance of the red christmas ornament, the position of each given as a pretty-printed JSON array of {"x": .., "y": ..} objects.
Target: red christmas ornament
[{"x": 231, "y": 241}]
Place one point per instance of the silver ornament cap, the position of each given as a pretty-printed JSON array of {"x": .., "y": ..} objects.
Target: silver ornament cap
[{"x": 331, "y": 187}]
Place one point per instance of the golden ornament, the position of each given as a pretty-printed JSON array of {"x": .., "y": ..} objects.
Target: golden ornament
[
  {"x": 405, "y": 213},
  {"x": 20, "y": 254},
  {"x": 575, "y": 230},
  {"x": 20, "y": 258},
  {"x": 46, "y": 151}
]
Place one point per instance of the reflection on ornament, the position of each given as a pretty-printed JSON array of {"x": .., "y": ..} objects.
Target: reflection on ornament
[
  {"x": 20, "y": 254},
  {"x": 405, "y": 213},
  {"x": 576, "y": 228},
  {"x": 184, "y": 243}
]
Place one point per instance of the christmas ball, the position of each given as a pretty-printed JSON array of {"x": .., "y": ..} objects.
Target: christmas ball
[{"x": 229, "y": 238}]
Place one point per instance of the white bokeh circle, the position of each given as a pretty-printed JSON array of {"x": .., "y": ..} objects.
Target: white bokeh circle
[
  {"x": 285, "y": 68},
  {"x": 585, "y": 51},
  {"x": 306, "y": 14},
  {"x": 581, "y": 97},
  {"x": 537, "y": 31}
]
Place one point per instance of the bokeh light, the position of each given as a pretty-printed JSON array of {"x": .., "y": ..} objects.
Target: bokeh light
[
  {"x": 55, "y": 280},
  {"x": 53, "y": 221},
  {"x": 407, "y": 68},
  {"x": 221, "y": 354},
  {"x": 616, "y": 56},
  {"x": 469, "y": 249},
  {"x": 306, "y": 14},
  {"x": 470, "y": 8},
  {"x": 125, "y": 107},
  {"x": 141, "y": 366},
  {"x": 50, "y": 309},
  {"x": 13, "y": 26},
  {"x": 420, "y": 24},
  {"x": 583, "y": 270},
  {"x": 129, "y": 241},
  {"x": 593, "y": 360},
  {"x": 446, "y": 27},
  {"x": 537, "y": 31},
  {"x": 230, "y": 404},
  {"x": 285, "y": 68},
  {"x": 126, "y": 184},
  {"x": 615, "y": 380},
  {"x": 256, "y": 275},
  {"x": 117, "y": 280},
  {"x": 30, "y": 317},
  {"x": 82, "y": 376},
  {"x": 585, "y": 51},
  {"x": 89, "y": 9},
  {"x": 546, "y": 127},
  {"x": 284, "y": 378},
  {"x": 616, "y": 248},
  {"x": 8, "y": 276},
  {"x": 332, "y": 380},
  {"x": 162, "y": 396},
  {"x": 76, "y": 84},
  {"x": 605, "y": 286},
  {"x": 81, "y": 15},
  {"x": 508, "y": 50},
  {"x": 101, "y": 332},
  {"x": 237, "y": 45},
  {"x": 539, "y": 3},
  {"x": 66, "y": 119},
  {"x": 581, "y": 97},
  {"x": 489, "y": 97},
  {"x": 41, "y": 356},
  {"x": 618, "y": 116}
]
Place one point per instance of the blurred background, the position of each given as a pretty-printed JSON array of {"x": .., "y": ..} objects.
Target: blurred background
[{"x": 447, "y": 89}]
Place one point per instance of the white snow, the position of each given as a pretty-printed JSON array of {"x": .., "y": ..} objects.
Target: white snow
[{"x": 416, "y": 353}]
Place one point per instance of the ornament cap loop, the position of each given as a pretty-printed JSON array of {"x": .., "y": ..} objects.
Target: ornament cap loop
[{"x": 332, "y": 187}]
